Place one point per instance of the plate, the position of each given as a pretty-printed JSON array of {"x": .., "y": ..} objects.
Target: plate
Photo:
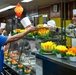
[
  {"x": 43, "y": 52},
  {"x": 46, "y": 53}
]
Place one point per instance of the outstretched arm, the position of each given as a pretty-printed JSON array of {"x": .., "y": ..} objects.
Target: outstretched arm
[{"x": 20, "y": 35}]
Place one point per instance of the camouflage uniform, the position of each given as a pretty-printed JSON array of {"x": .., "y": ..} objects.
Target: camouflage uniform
[{"x": 70, "y": 30}]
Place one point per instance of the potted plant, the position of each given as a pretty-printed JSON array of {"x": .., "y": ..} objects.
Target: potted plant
[
  {"x": 72, "y": 54},
  {"x": 43, "y": 33},
  {"x": 47, "y": 47},
  {"x": 60, "y": 51}
]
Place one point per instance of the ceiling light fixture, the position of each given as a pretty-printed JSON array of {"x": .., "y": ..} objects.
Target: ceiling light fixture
[
  {"x": 7, "y": 8},
  {"x": 26, "y": 0}
]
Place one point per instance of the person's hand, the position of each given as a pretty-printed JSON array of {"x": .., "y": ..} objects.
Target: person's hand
[
  {"x": 53, "y": 27},
  {"x": 31, "y": 29}
]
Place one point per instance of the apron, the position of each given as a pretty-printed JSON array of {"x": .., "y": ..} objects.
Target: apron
[{"x": 73, "y": 42}]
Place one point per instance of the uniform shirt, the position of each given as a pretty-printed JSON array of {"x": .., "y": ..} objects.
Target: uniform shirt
[
  {"x": 70, "y": 30},
  {"x": 2, "y": 43}
]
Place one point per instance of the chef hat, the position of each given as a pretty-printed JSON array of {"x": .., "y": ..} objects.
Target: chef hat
[
  {"x": 74, "y": 11},
  {"x": 25, "y": 22},
  {"x": 51, "y": 23},
  {"x": 3, "y": 25}
]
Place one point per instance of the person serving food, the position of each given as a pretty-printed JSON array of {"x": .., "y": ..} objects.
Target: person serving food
[{"x": 70, "y": 29}]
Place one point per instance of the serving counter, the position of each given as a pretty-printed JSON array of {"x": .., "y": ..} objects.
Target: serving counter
[{"x": 52, "y": 65}]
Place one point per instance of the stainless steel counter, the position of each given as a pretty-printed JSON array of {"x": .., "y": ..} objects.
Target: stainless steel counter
[{"x": 55, "y": 66}]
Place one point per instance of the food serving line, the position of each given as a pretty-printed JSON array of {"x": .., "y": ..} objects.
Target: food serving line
[
  {"x": 18, "y": 52},
  {"x": 17, "y": 61}
]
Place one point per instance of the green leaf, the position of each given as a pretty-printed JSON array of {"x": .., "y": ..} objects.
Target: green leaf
[
  {"x": 69, "y": 55},
  {"x": 29, "y": 35},
  {"x": 42, "y": 51}
]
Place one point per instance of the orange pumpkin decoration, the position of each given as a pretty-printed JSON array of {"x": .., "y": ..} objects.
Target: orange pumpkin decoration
[{"x": 18, "y": 10}]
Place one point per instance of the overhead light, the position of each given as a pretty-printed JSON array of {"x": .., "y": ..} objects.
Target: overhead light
[
  {"x": 44, "y": 15},
  {"x": 26, "y": 0},
  {"x": 7, "y": 8}
]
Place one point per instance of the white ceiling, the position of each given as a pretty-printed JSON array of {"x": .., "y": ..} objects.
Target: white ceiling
[{"x": 34, "y": 3}]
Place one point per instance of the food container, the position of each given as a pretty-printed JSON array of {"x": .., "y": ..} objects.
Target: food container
[
  {"x": 5, "y": 59},
  {"x": 29, "y": 60},
  {"x": 25, "y": 22},
  {"x": 59, "y": 55},
  {"x": 14, "y": 55},
  {"x": 20, "y": 66},
  {"x": 9, "y": 62},
  {"x": 73, "y": 59},
  {"x": 27, "y": 72},
  {"x": 14, "y": 65},
  {"x": 20, "y": 69},
  {"x": 6, "y": 53}
]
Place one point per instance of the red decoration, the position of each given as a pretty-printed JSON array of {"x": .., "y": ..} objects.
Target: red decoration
[{"x": 18, "y": 10}]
